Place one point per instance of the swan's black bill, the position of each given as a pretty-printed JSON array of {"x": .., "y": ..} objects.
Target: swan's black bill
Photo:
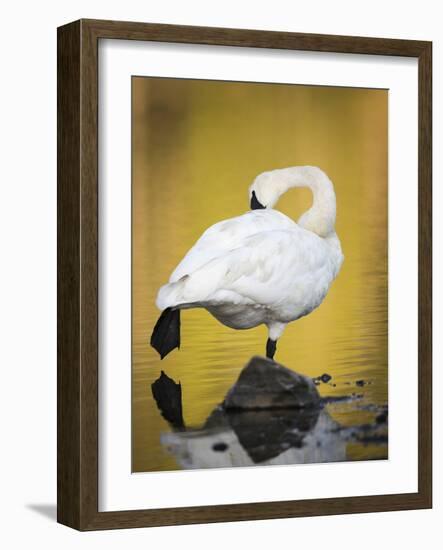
[
  {"x": 271, "y": 346},
  {"x": 166, "y": 334},
  {"x": 255, "y": 203}
]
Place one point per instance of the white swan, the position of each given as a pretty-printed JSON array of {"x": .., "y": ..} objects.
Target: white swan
[{"x": 258, "y": 268}]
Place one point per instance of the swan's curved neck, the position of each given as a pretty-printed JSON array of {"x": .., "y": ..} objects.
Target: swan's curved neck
[{"x": 320, "y": 218}]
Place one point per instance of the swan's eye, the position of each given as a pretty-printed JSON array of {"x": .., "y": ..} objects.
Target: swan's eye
[{"x": 255, "y": 203}]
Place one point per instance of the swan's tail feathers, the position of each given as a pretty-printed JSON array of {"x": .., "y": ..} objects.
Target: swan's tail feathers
[{"x": 166, "y": 334}]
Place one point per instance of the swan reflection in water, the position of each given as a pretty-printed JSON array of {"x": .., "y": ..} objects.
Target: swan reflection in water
[{"x": 249, "y": 437}]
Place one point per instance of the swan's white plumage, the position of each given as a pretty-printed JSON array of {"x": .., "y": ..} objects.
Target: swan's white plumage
[{"x": 261, "y": 267}]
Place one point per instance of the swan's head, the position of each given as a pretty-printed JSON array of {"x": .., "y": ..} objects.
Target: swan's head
[
  {"x": 268, "y": 187},
  {"x": 265, "y": 190}
]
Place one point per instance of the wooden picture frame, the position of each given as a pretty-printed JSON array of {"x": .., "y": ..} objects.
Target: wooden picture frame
[{"x": 78, "y": 274}]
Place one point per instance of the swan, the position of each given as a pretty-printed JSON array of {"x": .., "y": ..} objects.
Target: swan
[{"x": 260, "y": 267}]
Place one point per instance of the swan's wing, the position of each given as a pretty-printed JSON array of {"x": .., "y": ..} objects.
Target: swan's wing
[
  {"x": 274, "y": 266},
  {"x": 227, "y": 235},
  {"x": 266, "y": 269}
]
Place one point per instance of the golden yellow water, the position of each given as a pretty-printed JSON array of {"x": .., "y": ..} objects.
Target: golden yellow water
[{"x": 197, "y": 145}]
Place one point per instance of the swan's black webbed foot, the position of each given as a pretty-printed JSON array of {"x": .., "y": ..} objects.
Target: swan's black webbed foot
[
  {"x": 166, "y": 334},
  {"x": 271, "y": 346}
]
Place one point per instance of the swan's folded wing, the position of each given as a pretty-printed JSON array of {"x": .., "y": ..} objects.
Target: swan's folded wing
[
  {"x": 276, "y": 266},
  {"x": 266, "y": 269},
  {"x": 222, "y": 237}
]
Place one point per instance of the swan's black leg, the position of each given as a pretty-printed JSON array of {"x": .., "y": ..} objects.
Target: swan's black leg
[
  {"x": 271, "y": 346},
  {"x": 166, "y": 334}
]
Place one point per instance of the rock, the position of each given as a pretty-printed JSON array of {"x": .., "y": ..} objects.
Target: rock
[
  {"x": 220, "y": 447},
  {"x": 323, "y": 378},
  {"x": 264, "y": 384},
  {"x": 382, "y": 418}
]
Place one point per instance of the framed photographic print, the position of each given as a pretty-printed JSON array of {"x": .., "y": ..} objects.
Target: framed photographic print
[{"x": 244, "y": 275}]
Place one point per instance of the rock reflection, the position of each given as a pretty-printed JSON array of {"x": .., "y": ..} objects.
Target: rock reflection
[
  {"x": 230, "y": 439},
  {"x": 244, "y": 438}
]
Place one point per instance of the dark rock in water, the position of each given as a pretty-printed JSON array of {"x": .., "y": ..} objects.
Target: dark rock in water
[
  {"x": 356, "y": 395},
  {"x": 382, "y": 417},
  {"x": 264, "y": 384},
  {"x": 323, "y": 378},
  {"x": 220, "y": 447},
  {"x": 360, "y": 383}
]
